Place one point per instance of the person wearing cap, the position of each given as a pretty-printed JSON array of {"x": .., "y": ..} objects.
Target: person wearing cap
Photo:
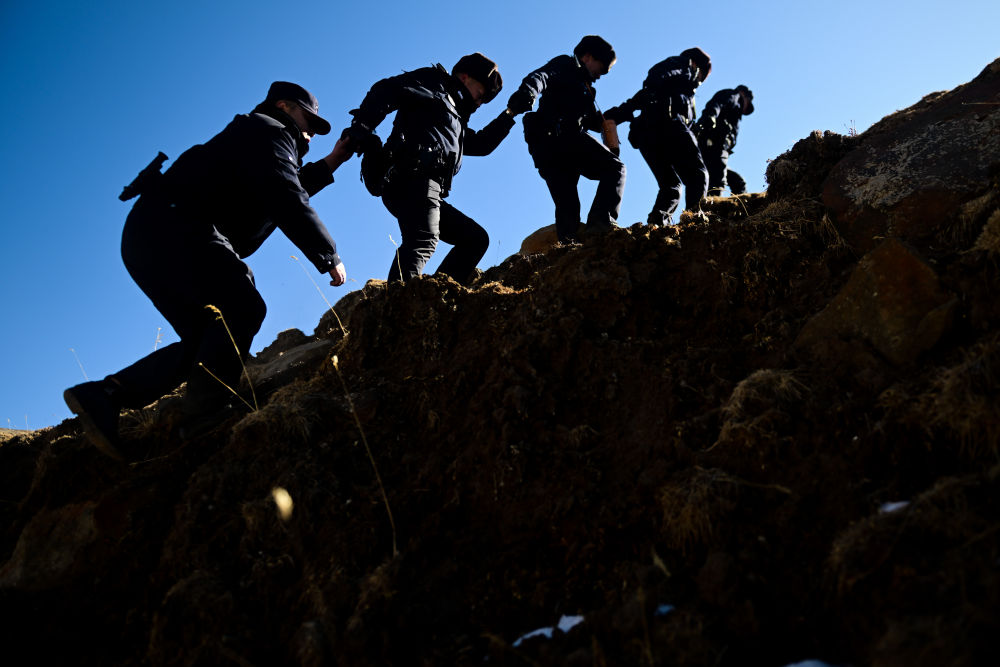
[
  {"x": 717, "y": 130},
  {"x": 424, "y": 151},
  {"x": 184, "y": 242},
  {"x": 558, "y": 139},
  {"x": 663, "y": 131}
]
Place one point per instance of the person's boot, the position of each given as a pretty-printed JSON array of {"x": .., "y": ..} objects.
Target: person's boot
[
  {"x": 95, "y": 404},
  {"x": 659, "y": 219},
  {"x": 597, "y": 228}
]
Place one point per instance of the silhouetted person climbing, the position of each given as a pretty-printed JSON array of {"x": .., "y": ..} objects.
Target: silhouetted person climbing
[
  {"x": 183, "y": 242},
  {"x": 663, "y": 131},
  {"x": 717, "y": 130},
  {"x": 423, "y": 153},
  {"x": 558, "y": 141}
]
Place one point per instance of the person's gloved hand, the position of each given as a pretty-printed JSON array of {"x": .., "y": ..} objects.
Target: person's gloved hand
[
  {"x": 520, "y": 101},
  {"x": 357, "y": 137},
  {"x": 620, "y": 115}
]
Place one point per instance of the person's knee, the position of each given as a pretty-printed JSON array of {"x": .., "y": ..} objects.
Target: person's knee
[
  {"x": 479, "y": 240},
  {"x": 245, "y": 315},
  {"x": 615, "y": 172},
  {"x": 257, "y": 313}
]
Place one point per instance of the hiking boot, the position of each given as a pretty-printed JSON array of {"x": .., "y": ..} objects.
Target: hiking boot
[
  {"x": 93, "y": 402},
  {"x": 597, "y": 228}
]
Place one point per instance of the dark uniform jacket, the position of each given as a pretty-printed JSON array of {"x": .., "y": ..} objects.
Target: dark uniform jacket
[
  {"x": 430, "y": 132},
  {"x": 245, "y": 182},
  {"x": 720, "y": 120},
  {"x": 568, "y": 100},
  {"x": 666, "y": 94}
]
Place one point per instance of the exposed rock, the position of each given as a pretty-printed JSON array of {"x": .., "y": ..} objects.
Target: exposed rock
[
  {"x": 54, "y": 548},
  {"x": 915, "y": 170},
  {"x": 799, "y": 172},
  {"x": 893, "y": 301},
  {"x": 540, "y": 240},
  {"x": 280, "y": 368}
]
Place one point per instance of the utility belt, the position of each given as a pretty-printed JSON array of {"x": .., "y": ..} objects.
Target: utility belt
[
  {"x": 670, "y": 108},
  {"x": 538, "y": 126},
  {"x": 721, "y": 142},
  {"x": 423, "y": 162}
]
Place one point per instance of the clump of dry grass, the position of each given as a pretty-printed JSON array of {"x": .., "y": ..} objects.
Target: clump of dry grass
[
  {"x": 971, "y": 219},
  {"x": 947, "y": 520},
  {"x": 286, "y": 417},
  {"x": 963, "y": 400},
  {"x": 693, "y": 507},
  {"x": 759, "y": 403},
  {"x": 989, "y": 238}
]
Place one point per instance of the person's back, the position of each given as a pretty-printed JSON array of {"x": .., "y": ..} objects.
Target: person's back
[
  {"x": 720, "y": 119},
  {"x": 671, "y": 86},
  {"x": 428, "y": 122},
  {"x": 244, "y": 182},
  {"x": 567, "y": 98}
]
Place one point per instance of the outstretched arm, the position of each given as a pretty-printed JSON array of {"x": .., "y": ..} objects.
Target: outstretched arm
[
  {"x": 487, "y": 139},
  {"x": 535, "y": 83},
  {"x": 317, "y": 175}
]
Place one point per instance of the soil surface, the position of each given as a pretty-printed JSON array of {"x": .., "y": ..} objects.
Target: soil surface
[{"x": 746, "y": 440}]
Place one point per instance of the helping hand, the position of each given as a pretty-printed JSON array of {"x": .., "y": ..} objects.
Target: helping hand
[
  {"x": 338, "y": 274},
  {"x": 520, "y": 102}
]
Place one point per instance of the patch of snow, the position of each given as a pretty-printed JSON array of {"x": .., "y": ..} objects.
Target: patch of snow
[
  {"x": 888, "y": 508},
  {"x": 565, "y": 624}
]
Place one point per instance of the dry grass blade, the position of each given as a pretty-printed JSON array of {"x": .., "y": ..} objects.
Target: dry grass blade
[
  {"x": 239, "y": 355},
  {"x": 325, "y": 300}
]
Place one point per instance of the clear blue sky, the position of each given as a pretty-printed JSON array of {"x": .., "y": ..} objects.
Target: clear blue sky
[{"x": 91, "y": 91}]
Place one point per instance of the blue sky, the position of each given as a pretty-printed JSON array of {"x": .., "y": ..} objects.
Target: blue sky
[{"x": 91, "y": 91}]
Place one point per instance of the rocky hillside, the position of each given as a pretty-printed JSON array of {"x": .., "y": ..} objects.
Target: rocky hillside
[{"x": 762, "y": 439}]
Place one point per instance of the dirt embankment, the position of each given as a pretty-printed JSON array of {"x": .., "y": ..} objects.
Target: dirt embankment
[{"x": 761, "y": 439}]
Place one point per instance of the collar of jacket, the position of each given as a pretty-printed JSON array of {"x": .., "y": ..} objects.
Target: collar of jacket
[
  {"x": 582, "y": 69},
  {"x": 277, "y": 114},
  {"x": 458, "y": 94}
]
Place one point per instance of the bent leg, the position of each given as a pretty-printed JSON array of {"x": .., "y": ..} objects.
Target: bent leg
[
  {"x": 182, "y": 271},
  {"x": 416, "y": 205},
  {"x": 562, "y": 182},
  {"x": 599, "y": 164},
  {"x": 716, "y": 166},
  {"x": 469, "y": 239},
  {"x": 228, "y": 329},
  {"x": 669, "y": 195},
  {"x": 689, "y": 165},
  {"x": 737, "y": 184}
]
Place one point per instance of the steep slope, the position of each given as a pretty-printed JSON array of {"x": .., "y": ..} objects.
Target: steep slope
[{"x": 761, "y": 439}]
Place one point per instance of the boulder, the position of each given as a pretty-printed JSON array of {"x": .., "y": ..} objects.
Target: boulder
[
  {"x": 57, "y": 546},
  {"x": 915, "y": 170},
  {"x": 893, "y": 301},
  {"x": 540, "y": 240}
]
